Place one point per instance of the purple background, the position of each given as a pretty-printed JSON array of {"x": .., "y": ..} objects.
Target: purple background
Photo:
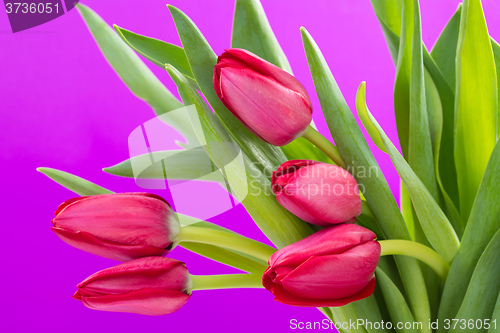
[{"x": 62, "y": 106}]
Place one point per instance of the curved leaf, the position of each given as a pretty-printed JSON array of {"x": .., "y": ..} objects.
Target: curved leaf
[
  {"x": 362, "y": 109},
  {"x": 476, "y": 103},
  {"x": 157, "y": 51},
  {"x": 484, "y": 221},
  {"x": 73, "y": 183}
]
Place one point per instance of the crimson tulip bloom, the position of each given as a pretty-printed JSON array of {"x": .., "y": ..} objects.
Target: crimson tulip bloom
[
  {"x": 319, "y": 193},
  {"x": 270, "y": 102},
  {"x": 332, "y": 267},
  {"x": 151, "y": 286},
  {"x": 121, "y": 226}
]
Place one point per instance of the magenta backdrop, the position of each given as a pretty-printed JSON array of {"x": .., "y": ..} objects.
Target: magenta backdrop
[{"x": 62, "y": 106}]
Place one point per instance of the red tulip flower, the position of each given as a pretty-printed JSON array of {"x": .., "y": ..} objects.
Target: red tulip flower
[
  {"x": 122, "y": 226},
  {"x": 270, "y": 102},
  {"x": 332, "y": 267},
  {"x": 151, "y": 286},
  {"x": 319, "y": 193}
]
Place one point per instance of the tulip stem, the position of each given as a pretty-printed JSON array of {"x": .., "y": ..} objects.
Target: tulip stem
[
  {"x": 417, "y": 251},
  {"x": 228, "y": 240},
  {"x": 228, "y": 281},
  {"x": 322, "y": 143}
]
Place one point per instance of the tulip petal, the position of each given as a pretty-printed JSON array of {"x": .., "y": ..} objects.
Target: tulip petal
[
  {"x": 121, "y": 252},
  {"x": 263, "y": 67},
  {"x": 282, "y": 296},
  {"x": 153, "y": 302},
  {"x": 327, "y": 192},
  {"x": 332, "y": 240},
  {"x": 125, "y": 218},
  {"x": 165, "y": 274},
  {"x": 276, "y": 120},
  {"x": 334, "y": 276}
]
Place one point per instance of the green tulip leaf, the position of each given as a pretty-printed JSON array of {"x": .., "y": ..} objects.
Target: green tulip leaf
[
  {"x": 279, "y": 225},
  {"x": 484, "y": 221},
  {"x": 445, "y": 49},
  {"x": 481, "y": 296},
  {"x": 252, "y": 32},
  {"x": 73, "y": 183},
  {"x": 202, "y": 60},
  {"x": 368, "y": 310},
  {"x": 362, "y": 109},
  {"x": 134, "y": 73},
  {"x": 158, "y": 52},
  {"x": 396, "y": 303},
  {"x": 357, "y": 155},
  {"x": 433, "y": 221},
  {"x": 476, "y": 103},
  {"x": 193, "y": 164}
]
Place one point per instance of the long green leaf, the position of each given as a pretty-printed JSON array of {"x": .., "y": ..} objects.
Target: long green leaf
[
  {"x": 235, "y": 259},
  {"x": 202, "y": 60},
  {"x": 279, "y": 225},
  {"x": 191, "y": 164},
  {"x": 73, "y": 183},
  {"x": 482, "y": 293},
  {"x": 445, "y": 50},
  {"x": 134, "y": 73},
  {"x": 157, "y": 51},
  {"x": 396, "y": 303},
  {"x": 434, "y": 223},
  {"x": 357, "y": 155},
  {"x": 252, "y": 32},
  {"x": 420, "y": 149},
  {"x": 484, "y": 221},
  {"x": 476, "y": 103},
  {"x": 362, "y": 110}
]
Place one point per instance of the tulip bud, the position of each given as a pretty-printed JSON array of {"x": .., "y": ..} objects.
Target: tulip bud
[
  {"x": 317, "y": 192},
  {"x": 121, "y": 226},
  {"x": 332, "y": 267},
  {"x": 151, "y": 286},
  {"x": 270, "y": 102}
]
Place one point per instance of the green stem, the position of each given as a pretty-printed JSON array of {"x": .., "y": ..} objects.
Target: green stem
[
  {"x": 226, "y": 240},
  {"x": 229, "y": 281},
  {"x": 417, "y": 251},
  {"x": 322, "y": 143}
]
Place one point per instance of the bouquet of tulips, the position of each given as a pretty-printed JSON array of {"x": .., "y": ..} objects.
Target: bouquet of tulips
[{"x": 342, "y": 243}]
